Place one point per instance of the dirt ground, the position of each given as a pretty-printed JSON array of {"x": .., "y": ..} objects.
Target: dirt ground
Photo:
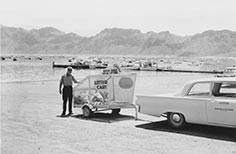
[{"x": 30, "y": 124}]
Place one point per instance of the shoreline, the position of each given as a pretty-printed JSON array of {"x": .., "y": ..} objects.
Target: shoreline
[{"x": 29, "y": 124}]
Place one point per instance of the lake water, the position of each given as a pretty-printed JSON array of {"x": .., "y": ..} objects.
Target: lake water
[{"x": 27, "y": 69}]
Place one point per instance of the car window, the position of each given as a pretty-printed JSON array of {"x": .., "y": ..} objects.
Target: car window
[
  {"x": 225, "y": 89},
  {"x": 200, "y": 89}
]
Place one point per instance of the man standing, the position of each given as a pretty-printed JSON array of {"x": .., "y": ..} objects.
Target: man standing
[{"x": 67, "y": 92}]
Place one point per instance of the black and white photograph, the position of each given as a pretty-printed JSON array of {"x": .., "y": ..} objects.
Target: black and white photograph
[{"x": 118, "y": 76}]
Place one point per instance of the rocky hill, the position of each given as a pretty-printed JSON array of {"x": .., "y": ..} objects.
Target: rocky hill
[{"x": 112, "y": 41}]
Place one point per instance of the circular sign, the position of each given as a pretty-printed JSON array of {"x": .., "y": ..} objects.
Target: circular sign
[{"x": 126, "y": 83}]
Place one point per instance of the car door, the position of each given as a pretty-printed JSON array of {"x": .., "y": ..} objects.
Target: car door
[
  {"x": 198, "y": 96},
  {"x": 221, "y": 109}
]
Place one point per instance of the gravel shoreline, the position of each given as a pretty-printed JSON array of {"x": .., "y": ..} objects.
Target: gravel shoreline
[{"x": 30, "y": 124}]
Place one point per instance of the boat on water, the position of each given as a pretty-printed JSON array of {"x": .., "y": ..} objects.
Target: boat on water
[
  {"x": 141, "y": 66},
  {"x": 228, "y": 72},
  {"x": 135, "y": 66},
  {"x": 98, "y": 64},
  {"x": 65, "y": 65},
  {"x": 81, "y": 64},
  {"x": 149, "y": 66},
  {"x": 169, "y": 68}
]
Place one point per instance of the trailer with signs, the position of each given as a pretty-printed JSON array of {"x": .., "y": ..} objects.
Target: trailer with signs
[{"x": 105, "y": 92}]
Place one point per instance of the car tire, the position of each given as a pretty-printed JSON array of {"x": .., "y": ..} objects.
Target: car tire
[
  {"x": 87, "y": 111},
  {"x": 115, "y": 111},
  {"x": 176, "y": 120}
]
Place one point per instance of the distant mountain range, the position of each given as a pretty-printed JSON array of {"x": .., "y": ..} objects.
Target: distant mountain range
[{"x": 117, "y": 41}]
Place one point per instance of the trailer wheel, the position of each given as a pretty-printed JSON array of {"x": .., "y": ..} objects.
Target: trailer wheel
[
  {"x": 115, "y": 111},
  {"x": 87, "y": 111},
  {"x": 176, "y": 120}
]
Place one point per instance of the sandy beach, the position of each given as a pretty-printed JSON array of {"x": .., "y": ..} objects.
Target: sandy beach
[{"x": 30, "y": 124}]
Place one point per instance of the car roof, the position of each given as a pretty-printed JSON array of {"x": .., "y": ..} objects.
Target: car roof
[{"x": 215, "y": 79}]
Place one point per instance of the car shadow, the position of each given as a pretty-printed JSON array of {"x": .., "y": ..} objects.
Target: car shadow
[
  {"x": 105, "y": 117},
  {"x": 212, "y": 132}
]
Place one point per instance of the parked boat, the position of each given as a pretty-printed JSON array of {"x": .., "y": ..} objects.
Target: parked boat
[
  {"x": 99, "y": 64},
  {"x": 149, "y": 66},
  {"x": 14, "y": 59},
  {"x": 38, "y": 58},
  {"x": 3, "y": 58},
  {"x": 81, "y": 64},
  {"x": 228, "y": 72},
  {"x": 65, "y": 65},
  {"x": 135, "y": 66},
  {"x": 191, "y": 71}
]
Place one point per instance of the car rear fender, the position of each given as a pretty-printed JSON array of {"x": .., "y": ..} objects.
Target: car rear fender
[{"x": 173, "y": 111}]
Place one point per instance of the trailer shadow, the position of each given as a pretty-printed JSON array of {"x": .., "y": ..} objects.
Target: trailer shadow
[
  {"x": 212, "y": 132},
  {"x": 105, "y": 117}
]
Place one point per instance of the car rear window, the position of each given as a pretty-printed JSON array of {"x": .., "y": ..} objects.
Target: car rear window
[{"x": 224, "y": 89}]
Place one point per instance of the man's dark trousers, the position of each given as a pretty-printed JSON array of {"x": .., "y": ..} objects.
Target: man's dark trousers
[{"x": 67, "y": 94}]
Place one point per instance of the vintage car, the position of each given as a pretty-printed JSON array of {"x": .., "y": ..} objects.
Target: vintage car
[{"x": 205, "y": 101}]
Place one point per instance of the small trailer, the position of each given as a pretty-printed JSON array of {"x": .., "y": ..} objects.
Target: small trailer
[{"x": 105, "y": 92}]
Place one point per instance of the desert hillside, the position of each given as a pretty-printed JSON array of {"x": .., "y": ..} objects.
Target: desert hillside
[{"x": 118, "y": 41}]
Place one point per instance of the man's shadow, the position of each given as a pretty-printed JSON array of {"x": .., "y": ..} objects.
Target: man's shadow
[
  {"x": 105, "y": 117},
  {"x": 212, "y": 132}
]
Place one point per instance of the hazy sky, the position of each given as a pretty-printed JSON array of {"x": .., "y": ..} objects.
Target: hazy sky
[{"x": 89, "y": 17}]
